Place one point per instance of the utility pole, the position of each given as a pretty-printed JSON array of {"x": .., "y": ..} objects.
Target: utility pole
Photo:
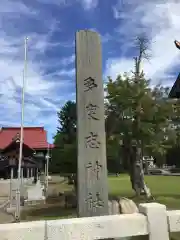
[{"x": 18, "y": 197}]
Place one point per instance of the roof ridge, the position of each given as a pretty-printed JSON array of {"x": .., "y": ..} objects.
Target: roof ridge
[
  {"x": 5, "y": 128},
  {"x": 35, "y": 137}
]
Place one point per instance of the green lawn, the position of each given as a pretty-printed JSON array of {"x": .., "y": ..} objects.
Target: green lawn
[{"x": 165, "y": 189}]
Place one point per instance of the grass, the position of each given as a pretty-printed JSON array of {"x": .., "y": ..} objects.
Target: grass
[{"x": 165, "y": 189}]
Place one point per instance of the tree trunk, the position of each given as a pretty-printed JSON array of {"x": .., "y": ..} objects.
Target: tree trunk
[
  {"x": 146, "y": 171},
  {"x": 136, "y": 173},
  {"x": 140, "y": 186},
  {"x": 128, "y": 156},
  {"x": 131, "y": 167}
]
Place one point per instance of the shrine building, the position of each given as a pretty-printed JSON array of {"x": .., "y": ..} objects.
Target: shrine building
[{"x": 35, "y": 147}]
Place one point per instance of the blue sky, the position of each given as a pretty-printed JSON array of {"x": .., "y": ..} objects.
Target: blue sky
[{"x": 51, "y": 26}]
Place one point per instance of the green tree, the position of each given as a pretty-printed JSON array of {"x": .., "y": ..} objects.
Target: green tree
[
  {"x": 163, "y": 135},
  {"x": 122, "y": 98},
  {"x": 139, "y": 117},
  {"x": 64, "y": 155},
  {"x": 67, "y": 121}
]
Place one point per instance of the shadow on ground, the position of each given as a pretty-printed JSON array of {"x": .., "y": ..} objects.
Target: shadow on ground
[
  {"x": 48, "y": 212},
  {"x": 53, "y": 209}
]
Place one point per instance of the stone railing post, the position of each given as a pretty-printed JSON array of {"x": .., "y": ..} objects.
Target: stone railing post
[{"x": 157, "y": 220}]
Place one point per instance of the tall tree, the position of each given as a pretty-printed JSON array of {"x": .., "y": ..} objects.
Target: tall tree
[
  {"x": 137, "y": 174},
  {"x": 136, "y": 115},
  {"x": 121, "y": 107},
  {"x": 64, "y": 156},
  {"x": 67, "y": 120}
]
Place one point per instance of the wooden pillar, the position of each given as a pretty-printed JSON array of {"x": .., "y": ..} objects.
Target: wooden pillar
[
  {"x": 12, "y": 172},
  {"x": 45, "y": 169},
  {"x": 31, "y": 172},
  {"x": 37, "y": 176},
  {"x": 16, "y": 172}
]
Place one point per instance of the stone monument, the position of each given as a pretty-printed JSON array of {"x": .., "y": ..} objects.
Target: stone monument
[{"x": 92, "y": 167}]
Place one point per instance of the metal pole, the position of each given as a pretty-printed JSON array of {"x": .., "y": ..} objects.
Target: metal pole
[
  {"x": 22, "y": 175},
  {"x": 21, "y": 136},
  {"x": 12, "y": 175},
  {"x": 47, "y": 169}
]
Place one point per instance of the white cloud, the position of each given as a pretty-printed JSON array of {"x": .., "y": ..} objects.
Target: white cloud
[
  {"x": 86, "y": 4},
  {"x": 50, "y": 105},
  {"x": 15, "y": 7},
  {"x": 89, "y": 4},
  {"x": 56, "y": 2},
  {"x": 63, "y": 72},
  {"x": 40, "y": 87},
  {"x": 68, "y": 60},
  {"x": 46, "y": 78},
  {"x": 160, "y": 21}
]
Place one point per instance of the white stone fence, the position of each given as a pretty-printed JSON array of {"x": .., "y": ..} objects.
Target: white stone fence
[{"x": 153, "y": 220}]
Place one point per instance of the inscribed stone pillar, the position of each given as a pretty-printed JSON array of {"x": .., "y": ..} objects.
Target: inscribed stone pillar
[{"x": 92, "y": 167}]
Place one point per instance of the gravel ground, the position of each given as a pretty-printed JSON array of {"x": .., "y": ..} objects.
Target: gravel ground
[{"x": 55, "y": 186}]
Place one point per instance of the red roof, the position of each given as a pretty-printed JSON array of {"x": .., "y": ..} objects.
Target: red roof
[{"x": 34, "y": 137}]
